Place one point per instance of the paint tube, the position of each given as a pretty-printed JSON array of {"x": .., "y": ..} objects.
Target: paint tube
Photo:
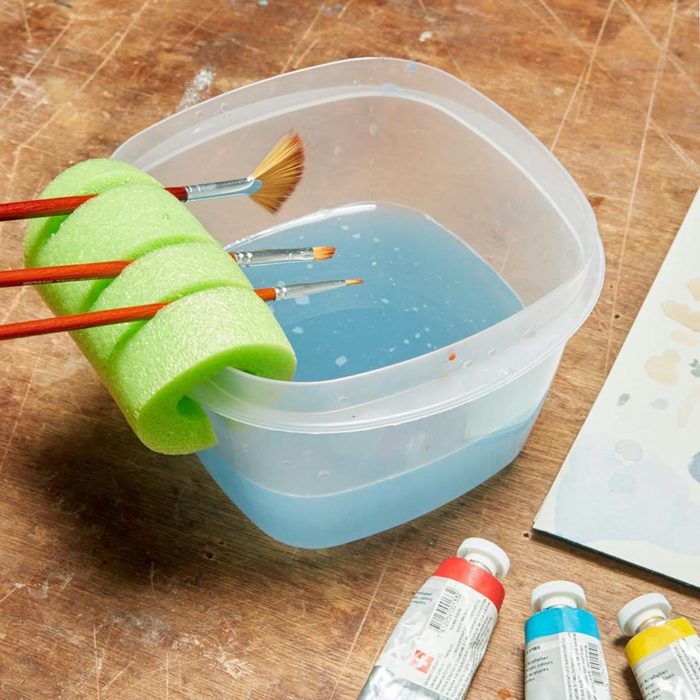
[
  {"x": 442, "y": 636},
  {"x": 663, "y": 653},
  {"x": 563, "y": 655}
]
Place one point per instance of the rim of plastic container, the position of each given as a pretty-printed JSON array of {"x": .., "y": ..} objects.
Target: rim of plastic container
[{"x": 556, "y": 316}]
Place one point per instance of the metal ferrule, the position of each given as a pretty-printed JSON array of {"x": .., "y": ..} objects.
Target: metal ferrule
[
  {"x": 308, "y": 289},
  {"x": 273, "y": 255},
  {"x": 224, "y": 188}
]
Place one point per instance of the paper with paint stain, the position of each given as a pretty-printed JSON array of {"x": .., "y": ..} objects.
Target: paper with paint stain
[{"x": 630, "y": 486}]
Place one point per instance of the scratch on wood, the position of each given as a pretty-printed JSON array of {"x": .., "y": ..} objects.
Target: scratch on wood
[
  {"x": 98, "y": 661},
  {"x": 364, "y": 619},
  {"x": 134, "y": 18},
  {"x": 672, "y": 59},
  {"x": 306, "y": 33},
  {"x": 536, "y": 14},
  {"x": 591, "y": 59},
  {"x": 344, "y": 9},
  {"x": 307, "y": 51},
  {"x": 23, "y": 10},
  {"x": 9, "y": 593},
  {"x": 567, "y": 111},
  {"x": 693, "y": 166},
  {"x": 28, "y": 75},
  {"x": 18, "y": 414},
  {"x": 198, "y": 26},
  {"x": 660, "y": 65},
  {"x": 115, "y": 676}
]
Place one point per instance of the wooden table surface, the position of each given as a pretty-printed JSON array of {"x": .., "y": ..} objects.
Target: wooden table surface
[{"x": 126, "y": 574}]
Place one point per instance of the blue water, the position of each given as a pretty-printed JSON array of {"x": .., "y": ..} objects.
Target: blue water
[{"x": 424, "y": 289}]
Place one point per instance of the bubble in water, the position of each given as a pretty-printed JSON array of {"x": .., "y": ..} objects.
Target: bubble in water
[
  {"x": 416, "y": 335},
  {"x": 392, "y": 349},
  {"x": 406, "y": 341},
  {"x": 373, "y": 129},
  {"x": 396, "y": 250},
  {"x": 384, "y": 300},
  {"x": 378, "y": 240},
  {"x": 309, "y": 266},
  {"x": 324, "y": 473},
  {"x": 356, "y": 236},
  {"x": 340, "y": 361},
  {"x": 374, "y": 263},
  {"x": 302, "y": 301},
  {"x": 345, "y": 227},
  {"x": 298, "y": 330}
]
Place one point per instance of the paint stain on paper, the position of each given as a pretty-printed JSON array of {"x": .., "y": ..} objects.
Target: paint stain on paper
[
  {"x": 684, "y": 337},
  {"x": 683, "y": 314},
  {"x": 629, "y": 450},
  {"x": 694, "y": 288},
  {"x": 664, "y": 367}
]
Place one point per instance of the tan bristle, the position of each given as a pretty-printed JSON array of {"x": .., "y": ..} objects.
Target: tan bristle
[
  {"x": 324, "y": 252},
  {"x": 351, "y": 282},
  {"x": 279, "y": 172}
]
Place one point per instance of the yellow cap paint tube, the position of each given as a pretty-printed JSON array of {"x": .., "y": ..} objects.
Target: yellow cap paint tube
[
  {"x": 663, "y": 653},
  {"x": 563, "y": 655},
  {"x": 441, "y": 638}
]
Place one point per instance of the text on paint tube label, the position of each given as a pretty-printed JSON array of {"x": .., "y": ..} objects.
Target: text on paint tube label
[
  {"x": 672, "y": 673},
  {"x": 566, "y": 666},
  {"x": 441, "y": 638}
]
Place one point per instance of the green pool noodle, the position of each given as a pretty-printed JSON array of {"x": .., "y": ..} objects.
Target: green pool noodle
[
  {"x": 120, "y": 224},
  {"x": 195, "y": 337},
  {"x": 87, "y": 177},
  {"x": 215, "y": 319},
  {"x": 164, "y": 274}
]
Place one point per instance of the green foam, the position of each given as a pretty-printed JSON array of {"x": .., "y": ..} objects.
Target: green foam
[
  {"x": 196, "y": 337},
  {"x": 88, "y": 177},
  {"x": 215, "y": 320},
  {"x": 122, "y": 224},
  {"x": 162, "y": 275}
]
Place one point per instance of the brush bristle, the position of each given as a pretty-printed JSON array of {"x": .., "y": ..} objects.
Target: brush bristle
[
  {"x": 279, "y": 172},
  {"x": 324, "y": 252},
  {"x": 351, "y": 282}
]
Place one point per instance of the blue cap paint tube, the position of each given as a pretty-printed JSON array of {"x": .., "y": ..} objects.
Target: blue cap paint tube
[
  {"x": 563, "y": 655},
  {"x": 442, "y": 636}
]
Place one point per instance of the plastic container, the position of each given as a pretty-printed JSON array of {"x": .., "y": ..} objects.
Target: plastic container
[{"x": 316, "y": 464}]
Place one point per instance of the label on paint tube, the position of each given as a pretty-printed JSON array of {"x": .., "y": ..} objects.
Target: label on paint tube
[
  {"x": 441, "y": 638},
  {"x": 672, "y": 673},
  {"x": 565, "y": 666}
]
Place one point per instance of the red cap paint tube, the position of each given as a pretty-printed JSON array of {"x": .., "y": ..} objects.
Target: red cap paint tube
[{"x": 441, "y": 638}]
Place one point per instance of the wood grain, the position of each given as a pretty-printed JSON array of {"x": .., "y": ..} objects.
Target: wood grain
[{"x": 125, "y": 574}]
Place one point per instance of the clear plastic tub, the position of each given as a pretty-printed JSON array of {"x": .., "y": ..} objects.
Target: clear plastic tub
[{"x": 316, "y": 464}]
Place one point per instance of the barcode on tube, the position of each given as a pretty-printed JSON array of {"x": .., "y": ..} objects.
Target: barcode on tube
[
  {"x": 447, "y": 601},
  {"x": 596, "y": 664}
]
